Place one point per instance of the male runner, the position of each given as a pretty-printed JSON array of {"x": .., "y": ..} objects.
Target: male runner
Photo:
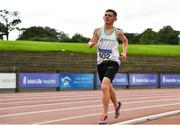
[{"x": 107, "y": 39}]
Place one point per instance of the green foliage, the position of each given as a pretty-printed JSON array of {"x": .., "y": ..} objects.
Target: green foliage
[
  {"x": 132, "y": 37},
  {"x": 49, "y": 34},
  {"x": 168, "y": 36},
  {"x": 8, "y": 22},
  {"x": 80, "y": 38},
  {"x": 2, "y": 30},
  {"x": 148, "y": 37},
  {"x": 39, "y": 34},
  {"x": 63, "y": 37}
]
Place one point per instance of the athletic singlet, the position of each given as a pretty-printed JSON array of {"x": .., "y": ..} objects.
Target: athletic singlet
[{"x": 107, "y": 47}]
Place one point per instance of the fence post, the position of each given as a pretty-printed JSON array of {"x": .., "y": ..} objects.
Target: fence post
[
  {"x": 57, "y": 88},
  {"x": 159, "y": 84},
  {"x": 127, "y": 87},
  {"x": 95, "y": 87},
  {"x": 17, "y": 80}
]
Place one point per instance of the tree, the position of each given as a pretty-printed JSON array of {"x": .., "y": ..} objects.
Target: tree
[
  {"x": 39, "y": 34},
  {"x": 133, "y": 38},
  {"x": 167, "y": 35},
  {"x": 2, "y": 30},
  {"x": 148, "y": 37},
  {"x": 80, "y": 38},
  {"x": 10, "y": 20},
  {"x": 63, "y": 37}
]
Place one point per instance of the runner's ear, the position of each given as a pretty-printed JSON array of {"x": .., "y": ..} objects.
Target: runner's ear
[{"x": 115, "y": 19}]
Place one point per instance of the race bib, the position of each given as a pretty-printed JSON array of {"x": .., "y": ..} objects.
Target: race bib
[{"x": 105, "y": 54}]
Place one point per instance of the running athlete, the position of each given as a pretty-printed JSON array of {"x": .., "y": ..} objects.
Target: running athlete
[{"x": 107, "y": 39}]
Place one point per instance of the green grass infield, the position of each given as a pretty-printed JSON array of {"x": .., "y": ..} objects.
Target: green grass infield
[{"x": 158, "y": 50}]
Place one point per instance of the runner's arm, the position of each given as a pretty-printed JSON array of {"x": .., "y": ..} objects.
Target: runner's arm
[
  {"x": 94, "y": 39},
  {"x": 124, "y": 40}
]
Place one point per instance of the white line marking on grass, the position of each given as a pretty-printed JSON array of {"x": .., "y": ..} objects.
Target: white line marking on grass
[
  {"x": 148, "y": 118},
  {"x": 77, "y": 117}
]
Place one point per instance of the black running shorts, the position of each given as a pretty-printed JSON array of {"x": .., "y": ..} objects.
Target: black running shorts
[{"x": 107, "y": 69}]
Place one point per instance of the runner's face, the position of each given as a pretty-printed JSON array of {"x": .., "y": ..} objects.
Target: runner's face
[{"x": 109, "y": 18}]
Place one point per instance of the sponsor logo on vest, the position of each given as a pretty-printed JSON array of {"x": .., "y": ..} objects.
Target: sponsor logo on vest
[{"x": 106, "y": 40}]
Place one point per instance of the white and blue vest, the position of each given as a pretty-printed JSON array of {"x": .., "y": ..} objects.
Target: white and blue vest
[{"x": 107, "y": 47}]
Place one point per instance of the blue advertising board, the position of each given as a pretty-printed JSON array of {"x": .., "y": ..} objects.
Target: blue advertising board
[
  {"x": 170, "y": 79},
  {"x": 76, "y": 81},
  {"x": 120, "y": 79},
  {"x": 143, "y": 79},
  {"x": 38, "y": 80}
]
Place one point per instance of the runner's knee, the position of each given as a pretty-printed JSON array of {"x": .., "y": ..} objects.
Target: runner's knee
[
  {"x": 105, "y": 84},
  {"x": 104, "y": 87}
]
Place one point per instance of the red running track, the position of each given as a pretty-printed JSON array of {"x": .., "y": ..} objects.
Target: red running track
[{"x": 84, "y": 107}]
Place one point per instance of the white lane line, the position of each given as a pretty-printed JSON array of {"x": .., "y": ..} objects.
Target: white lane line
[
  {"x": 40, "y": 93},
  {"x": 61, "y": 93},
  {"x": 72, "y": 108},
  {"x": 94, "y": 100},
  {"x": 50, "y": 96},
  {"x": 44, "y": 111},
  {"x": 77, "y": 117},
  {"x": 72, "y": 99},
  {"x": 44, "y": 98},
  {"x": 40, "y": 105},
  {"x": 148, "y": 118},
  {"x": 52, "y": 100},
  {"x": 49, "y": 100},
  {"x": 47, "y": 97}
]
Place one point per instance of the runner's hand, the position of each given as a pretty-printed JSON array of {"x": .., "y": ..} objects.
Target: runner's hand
[
  {"x": 123, "y": 56},
  {"x": 92, "y": 42}
]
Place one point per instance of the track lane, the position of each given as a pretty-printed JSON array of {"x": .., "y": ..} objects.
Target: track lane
[{"x": 88, "y": 103}]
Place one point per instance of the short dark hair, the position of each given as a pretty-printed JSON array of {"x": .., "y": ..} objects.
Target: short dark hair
[{"x": 113, "y": 11}]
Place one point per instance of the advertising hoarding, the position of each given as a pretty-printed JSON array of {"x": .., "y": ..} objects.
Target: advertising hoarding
[
  {"x": 38, "y": 80},
  {"x": 120, "y": 79},
  {"x": 7, "y": 80},
  {"x": 143, "y": 79},
  {"x": 170, "y": 79},
  {"x": 76, "y": 81}
]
